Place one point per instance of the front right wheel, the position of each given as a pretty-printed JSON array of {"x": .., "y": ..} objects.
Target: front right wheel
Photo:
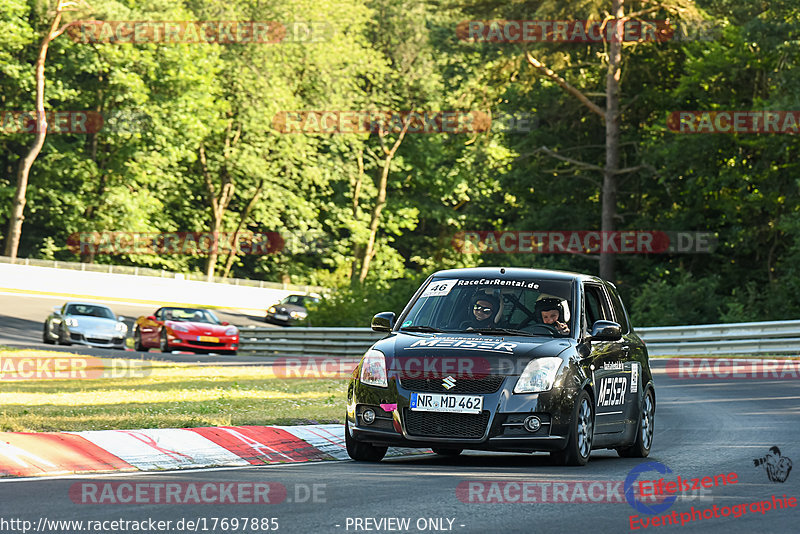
[
  {"x": 362, "y": 452},
  {"x": 579, "y": 444}
]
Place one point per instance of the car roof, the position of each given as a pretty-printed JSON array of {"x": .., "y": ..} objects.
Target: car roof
[{"x": 515, "y": 272}]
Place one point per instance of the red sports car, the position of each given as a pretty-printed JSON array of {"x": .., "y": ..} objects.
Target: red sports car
[{"x": 185, "y": 329}]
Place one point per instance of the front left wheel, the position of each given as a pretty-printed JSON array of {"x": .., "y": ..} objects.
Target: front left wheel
[
  {"x": 163, "y": 343},
  {"x": 579, "y": 444},
  {"x": 362, "y": 452}
]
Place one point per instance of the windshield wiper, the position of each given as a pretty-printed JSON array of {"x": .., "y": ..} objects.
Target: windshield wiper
[
  {"x": 420, "y": 328},
  {"x": 501, "y": 331}
]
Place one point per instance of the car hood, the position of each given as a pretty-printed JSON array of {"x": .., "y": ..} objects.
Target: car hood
[
  {"x": 200, "y": 329},
  {"x": 437, "y": 354},
  {"x": 94, "y": 324}
]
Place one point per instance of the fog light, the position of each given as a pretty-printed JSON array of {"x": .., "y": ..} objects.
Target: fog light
[
  {"x": 368, "y": 416},
  {"x": 532, "y": 423}
]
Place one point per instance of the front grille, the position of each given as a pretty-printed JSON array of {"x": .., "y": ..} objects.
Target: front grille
[
  {"x": 98, "y": 340},
  {"x": 76, "y": 337},
  {"x": 206, "y": 344},
  {"x": 446, "y": 425},
  {"x": 486, "y": 384}
]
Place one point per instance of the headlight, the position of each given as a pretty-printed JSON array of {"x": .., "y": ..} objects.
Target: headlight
[
  {"x": 71, "y": 321},
  {"x": 180, "y": 328},
  {"x": 121, "y": 327},
  {"x": 298, "y": 315},
  {"x": 231, "y": 331},
  {"x": 271, "y": 309},
  {"x": 538, "y": 375},
  {"x": 373, "y": 369}
]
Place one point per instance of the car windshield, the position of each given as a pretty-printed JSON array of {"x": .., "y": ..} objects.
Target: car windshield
[
  {"x": 299, "y": 300},
  {"x": 494, "y": 306},
  {"x": 189, "y": 315},
  {"x": 90, "y": 310}
]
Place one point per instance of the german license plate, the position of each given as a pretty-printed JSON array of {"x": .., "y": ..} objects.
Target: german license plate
[
  {"x": 210, "y": 339},
  {"x": 281, "y": 317},
  {"x": 437, "y": 402}
]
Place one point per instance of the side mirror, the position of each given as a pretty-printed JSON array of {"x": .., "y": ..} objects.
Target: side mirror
[
  {"x": 606, "y": 331},
  {"x": 225, "y": 323},
  {"x": 121, "y": 319},
  {"x": 151, "y": 317},
  {"x": 383, "y": 322}
]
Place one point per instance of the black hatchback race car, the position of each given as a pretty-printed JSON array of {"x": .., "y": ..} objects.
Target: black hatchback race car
[{"x": 504, "y": 359}]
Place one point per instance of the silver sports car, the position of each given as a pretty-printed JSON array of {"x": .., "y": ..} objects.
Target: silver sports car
[{"x": 81, "y": 323}]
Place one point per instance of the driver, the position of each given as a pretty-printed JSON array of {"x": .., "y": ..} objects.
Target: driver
[
  {"x": 482, "y": 311},
  {"x": 551, "y": 312}
]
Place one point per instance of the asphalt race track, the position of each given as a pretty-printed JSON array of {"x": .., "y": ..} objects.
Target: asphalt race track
[
  {"x": 703, "y": 428},
  {"x": 22, "y": 317}
]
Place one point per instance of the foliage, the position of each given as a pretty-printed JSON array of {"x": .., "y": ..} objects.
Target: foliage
[{"x": 165, "y": 102}]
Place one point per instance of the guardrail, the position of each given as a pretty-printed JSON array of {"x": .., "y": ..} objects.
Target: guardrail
[
  {"x": 766, "y": 337},
  {"x": 771, "y": 337},
  {"x": 146, "y": 271},
  {"x": 311, "y": 342}
]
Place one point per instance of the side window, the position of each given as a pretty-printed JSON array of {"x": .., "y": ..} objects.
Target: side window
[
  {"x": 619, "y": 310},
  {"x": 160, "y": 314},
  {"x": 596, "y": 307}
]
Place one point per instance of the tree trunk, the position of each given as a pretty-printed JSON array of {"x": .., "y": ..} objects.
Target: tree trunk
[
  {"x": 18, "y": 204},
  {"x": 358, "y": 249},
  {"x": 609, "y": 197},
  {"x": 242, "y": 220},
  {"x": 380, "y": 202},
  {"x": 219, "y": 204}
]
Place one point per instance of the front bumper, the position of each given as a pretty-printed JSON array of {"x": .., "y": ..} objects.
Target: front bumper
[
  {"x": 92, "y": 339},
  {"x": 498, "y": 427},
  {"x": 225, "y": 343}
]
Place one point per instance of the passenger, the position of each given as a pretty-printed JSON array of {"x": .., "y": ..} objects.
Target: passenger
[{"x": 551, "y": 312}]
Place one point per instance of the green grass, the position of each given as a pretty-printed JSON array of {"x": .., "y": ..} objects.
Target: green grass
[{"x": 172, "y": 395}]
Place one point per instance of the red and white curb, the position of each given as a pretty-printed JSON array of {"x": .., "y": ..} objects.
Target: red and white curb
[{"x": 60, "y": 453}]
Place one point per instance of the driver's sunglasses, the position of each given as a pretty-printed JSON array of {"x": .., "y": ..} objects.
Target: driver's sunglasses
[{"x": 480, "y": 308}]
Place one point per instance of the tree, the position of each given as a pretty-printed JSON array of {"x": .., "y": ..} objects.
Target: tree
[{"x": 25, "y": 164}]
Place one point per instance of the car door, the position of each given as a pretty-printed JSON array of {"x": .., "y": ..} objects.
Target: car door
[{"x": 608, "y": 365}]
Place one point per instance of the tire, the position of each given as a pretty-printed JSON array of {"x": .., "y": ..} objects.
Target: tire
[
  {"x": 362, "y": 452},
  {"x": 644, "y": 430},
  {"x": 163, "y": 342},
  {"x": 46, "y": 335},
  {"x": 137, "y": 342},
  {"x": 579, "y": 444},
  {"x": 62, "y": 337},
  {"x": 447, "y": 452}
]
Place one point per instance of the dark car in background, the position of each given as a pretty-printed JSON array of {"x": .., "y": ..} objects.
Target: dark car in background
[
  {"x": 290, "y": 310},
  {"x": 84, "y": 323},
  {"x": 504, "y": 359}
]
